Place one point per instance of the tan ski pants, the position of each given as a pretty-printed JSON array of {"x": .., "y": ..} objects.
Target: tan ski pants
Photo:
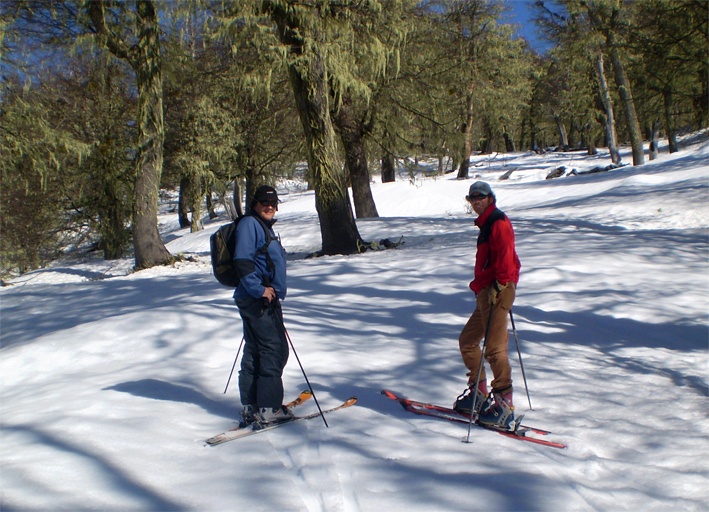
[{"x": 496, "y": 347}]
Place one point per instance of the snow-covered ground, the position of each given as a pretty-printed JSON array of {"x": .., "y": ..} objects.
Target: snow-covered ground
[{"x": 111, "y": 380}]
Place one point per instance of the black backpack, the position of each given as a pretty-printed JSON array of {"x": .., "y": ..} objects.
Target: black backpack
[{"x": 222, "y": 244}]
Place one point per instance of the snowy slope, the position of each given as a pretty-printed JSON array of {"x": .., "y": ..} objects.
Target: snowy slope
[{"x": 112, "y": 380}]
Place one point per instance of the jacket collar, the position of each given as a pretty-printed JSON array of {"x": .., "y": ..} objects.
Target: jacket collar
[
  {"x": 481, "y": 220},
  {"x": 268, "y": 223}
]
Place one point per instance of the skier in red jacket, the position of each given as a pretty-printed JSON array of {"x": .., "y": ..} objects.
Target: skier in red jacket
[{"x": 496, "y": 275}]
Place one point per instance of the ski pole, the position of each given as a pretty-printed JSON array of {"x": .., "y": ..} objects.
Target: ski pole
[
  {"x": 519, "y": 354},
  {"x": 480, "y": 369},
  {"x": 280, "y": 318},
  {"x": 234, "y": 365}
]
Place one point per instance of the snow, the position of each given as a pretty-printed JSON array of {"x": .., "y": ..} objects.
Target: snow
[{"x": 113, "y": 379}]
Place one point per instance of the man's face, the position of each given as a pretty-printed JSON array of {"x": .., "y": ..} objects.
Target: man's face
[
  {"x": 266, "y": 210},
  {"x": 480, "y": 203}
]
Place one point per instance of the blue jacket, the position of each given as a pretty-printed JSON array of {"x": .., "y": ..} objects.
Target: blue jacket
[{"x": 253, "y": 267}]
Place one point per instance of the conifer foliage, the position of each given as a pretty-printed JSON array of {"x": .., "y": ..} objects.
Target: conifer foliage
[{"x": 105, "y": 104}]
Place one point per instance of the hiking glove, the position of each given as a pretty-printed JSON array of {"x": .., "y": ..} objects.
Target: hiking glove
[{"x": 495, "y": 290}]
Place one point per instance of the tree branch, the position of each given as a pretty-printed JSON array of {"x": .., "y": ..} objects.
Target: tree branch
[{"x": 107, "y": 39}]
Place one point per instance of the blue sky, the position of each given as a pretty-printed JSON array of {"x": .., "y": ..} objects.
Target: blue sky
[{"x": 522, "y": 14}]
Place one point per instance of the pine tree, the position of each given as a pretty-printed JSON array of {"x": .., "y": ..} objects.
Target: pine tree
[
  {"x": 671, "y": 37},
  {"x": 607, "y": 17}
]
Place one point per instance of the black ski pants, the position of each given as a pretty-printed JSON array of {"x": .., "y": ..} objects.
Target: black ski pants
[{"x": 265, "y": 353}]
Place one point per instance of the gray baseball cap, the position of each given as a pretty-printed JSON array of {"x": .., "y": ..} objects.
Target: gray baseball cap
[{"x": 479, "y": 188}]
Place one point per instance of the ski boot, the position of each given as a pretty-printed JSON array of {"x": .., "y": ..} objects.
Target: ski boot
[
  {"x": 248, "y": 416},
  {"x": 464, "y": 402},
  {"x": 499, "y": 414},
  {"x": 267, "y": 415}
]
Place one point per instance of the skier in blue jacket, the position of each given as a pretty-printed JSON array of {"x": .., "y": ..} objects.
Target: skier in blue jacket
[{"x": 261, "y": 263}]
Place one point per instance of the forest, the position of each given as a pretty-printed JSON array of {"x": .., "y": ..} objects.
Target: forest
[{"x": 106, "y": 105}]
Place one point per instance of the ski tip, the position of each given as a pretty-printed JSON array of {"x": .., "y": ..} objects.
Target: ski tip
[{"x": 351, "y": 401}]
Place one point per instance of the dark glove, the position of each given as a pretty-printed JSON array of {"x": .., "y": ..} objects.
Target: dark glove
[{"x": 265, "y": 305}]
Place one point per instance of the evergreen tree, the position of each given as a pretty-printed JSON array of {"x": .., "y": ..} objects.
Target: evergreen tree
[
  {"x": 608, "y": 116},
  {"x": 97, "y": 105},
  {"x": 608, "y": 17},
  {"x": 299, "y": 30},
  {"x": 482, "y": 76},
  {"x": 352, "y": 129},
  {"x": 246, "y": 122},
  {"x": 75, "y": 107},
  {"x": 140, "y": 47},
  {"x": 579, "y": 45},
  {"x": 671, "y": 36},
  {"x": 372, "y": 58},
  {"x": 31, "y": 200}
]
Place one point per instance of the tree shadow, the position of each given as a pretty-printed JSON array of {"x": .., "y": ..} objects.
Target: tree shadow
[
  {"x": 110, "y": 473},
  {"x": 160, "y": 390}
]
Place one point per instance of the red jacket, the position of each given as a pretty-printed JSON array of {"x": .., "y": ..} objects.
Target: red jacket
[{"x": 496, "y": 259}]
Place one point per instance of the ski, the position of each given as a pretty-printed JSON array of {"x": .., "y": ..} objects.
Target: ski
[
  {"x": 300, "y": 399},
  {"x": 436, "y": 411},
  {"x": 244, "y": 432},
  {"x": 455, "y": 415}
]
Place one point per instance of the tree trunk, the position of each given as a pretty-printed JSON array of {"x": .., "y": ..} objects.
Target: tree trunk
[
  {"x": 388, "y": 160},
  {"x": 654, "y": 136},
  {"x": 388, "y": 167},
  {"x": 670, "y": 120},
  {"x": 190, "y": 202},
  {"x": 210, "y": 205},
  {"x": 467, "y": 130},
  {"x": 609, "y": 121},
  {"x": 701, "y": 101},
  {"x": 238, "y": 204},
  {"x": 149, "y": 247},
  {"x": 487, "y": 145},
  {"x": 561, "y": 128},
  {"x": 352, "y": 135},
  {"x": 621, "y": 80},
  {"x": 112, "y": 228},
  {"x": 591, "y": 139},
  {"x": 509, "y": 143},
  {"x": 309, "y": 80},
  {"x": 337, "y": 226},
  {"x": 252, "y": 178},
  {"x": 183, "y": 209},
  {"x": 144, "y": 58}
]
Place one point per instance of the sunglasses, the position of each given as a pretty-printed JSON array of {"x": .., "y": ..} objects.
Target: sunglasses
[
  {"x": 476, "y": 197},
  {"x": 269, "y": 203}
]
